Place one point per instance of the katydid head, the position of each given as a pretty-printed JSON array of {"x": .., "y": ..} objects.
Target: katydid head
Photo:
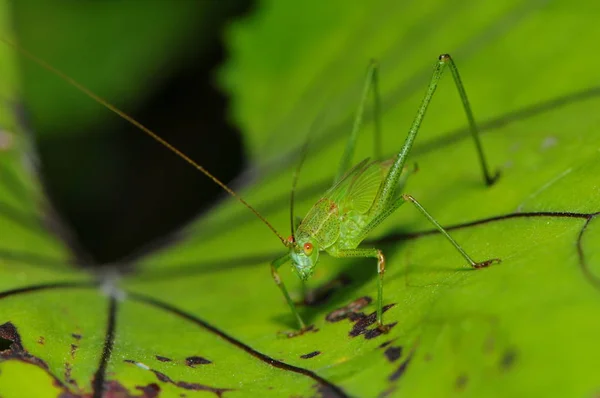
[{"x": 304, "y": 254}]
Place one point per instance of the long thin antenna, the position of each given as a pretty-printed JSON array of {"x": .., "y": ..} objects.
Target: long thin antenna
[
  {"x": 295, "y": 182},
  {"x": 139, "y": 125}
]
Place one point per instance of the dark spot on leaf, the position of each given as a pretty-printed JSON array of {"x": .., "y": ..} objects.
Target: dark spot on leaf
[
  {"x": 195, "y": 360},
  {"x": 352, "y": 308},
  {"x": 323, "y": 293},
  {"x": 149, "y": 391},
  {"x": 41, "y": 340},
  {"x": 385, "y": 343},
  {"x": 325, "y": 391},
  {"x": 162, "y": 377},
  {"x": 376, "y": 332},
  {"x": 461, "y": 381},
  {"x": 310, "y": 355},
  {"x": 363, "y": 322},
  {"x": 200, "y": 387},
  {"x": 114, "y": 389},
  {"x": 163, "y": 359},
  {"x": 76, "y": 336},
  {"x": 68, "y": 373},
  {"x": 183, "y": 384},
  {"x": 388, "y": 392},
  {"x": 428, "y": 357},
  {"x": 9, "y": 338},
  {"x": 11, "y": 346},
  {"x": 393, "y": 353},
  {"x": 74, "y": 348},
  {"x": 401, "y": 369},
  {"x": 68, "y": 378},
  {"x": 508, "y": 359}
]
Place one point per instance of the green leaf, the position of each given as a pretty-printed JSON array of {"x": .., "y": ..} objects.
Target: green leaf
[{"x": 525, "y": 327}]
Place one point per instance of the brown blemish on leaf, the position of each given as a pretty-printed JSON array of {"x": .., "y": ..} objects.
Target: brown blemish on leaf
[
  {"x": 163, "y": 359},
  {"x": 11, "y": 346},
  {"x": 76, "y": 336},
  {"x": 181, "y": 384},
  {"x": 325, "y": 391},
  {"x": 195, "y": 360},
  {"x": 352, "y": 308},
  {"x": 388, "y": 392},
  {"x": 41, "y": 340},
  {"x": 310, "y": 355},
  {"x": 68, "y": 369},
  {"x": 162, "y": 377},
  {"x": 114, "y": 389},
  {"x": 401, "y": 369},
  {"x": 363, "y": 322},
  {"x": 386, "y": 343},
  {"x": 461, "y": 381},
  {"x": 508, "y": 359},
  {"x": 376, "y": 332},
  {"x": 200, "y": 387},
  {"x": 393, "y": 353},
  {"x": 74, "y": 348},
  {"x": 149, "y": 391}
]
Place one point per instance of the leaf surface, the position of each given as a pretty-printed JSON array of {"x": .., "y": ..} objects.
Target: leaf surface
[{"x": 202, "y": 316}]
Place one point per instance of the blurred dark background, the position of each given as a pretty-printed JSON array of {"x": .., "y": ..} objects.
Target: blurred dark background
[{"x": 115, "y": 188}]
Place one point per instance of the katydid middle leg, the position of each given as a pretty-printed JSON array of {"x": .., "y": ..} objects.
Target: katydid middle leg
[{"x": 368, "y": 253}]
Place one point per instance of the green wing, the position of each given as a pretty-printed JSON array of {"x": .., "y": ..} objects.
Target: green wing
[{"x": 356, "y": 190}]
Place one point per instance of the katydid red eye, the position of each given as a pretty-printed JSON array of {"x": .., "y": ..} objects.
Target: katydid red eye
[
  {"x": 308, "y": 248},
  {"x": 290, "y": 239}
]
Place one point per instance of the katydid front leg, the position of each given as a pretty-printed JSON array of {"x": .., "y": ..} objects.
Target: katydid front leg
[{"x": 275, "y": 265}]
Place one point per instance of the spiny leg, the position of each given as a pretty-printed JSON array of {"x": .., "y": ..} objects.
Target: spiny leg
[
  {"x": 371, "y": 82},
  {"x": 274, "y": 267},
  {"x": 396, "y": 170},
  {"x": 489, "y": 180},
  {"x": 409, "y": 198},
  {"x": 370, "y": 253}
]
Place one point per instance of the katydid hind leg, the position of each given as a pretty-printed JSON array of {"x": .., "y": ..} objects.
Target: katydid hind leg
[
  {"x": 487, "y": 177},
  {"x": 395, "y": 171},
  {"x": 371, "y": 85},
  {"x": 472, "y": 263}
]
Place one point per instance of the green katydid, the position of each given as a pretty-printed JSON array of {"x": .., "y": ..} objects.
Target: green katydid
[
  {"x": 363, "y": 196},
  {"x": 359, "y": 200}
]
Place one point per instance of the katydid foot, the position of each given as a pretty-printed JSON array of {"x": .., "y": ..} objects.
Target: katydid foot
[
  {"x": 300, "y": 332},
  {"x": 487, "y": 263}
]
